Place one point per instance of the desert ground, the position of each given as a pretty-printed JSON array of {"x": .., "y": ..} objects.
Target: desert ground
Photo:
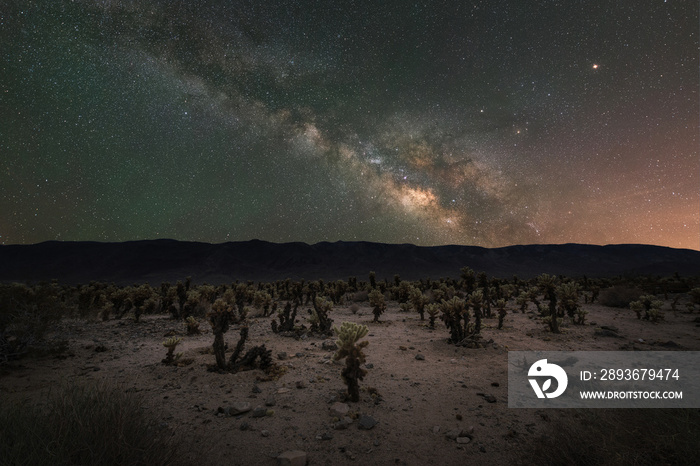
[{"x": 419, "y": 389}]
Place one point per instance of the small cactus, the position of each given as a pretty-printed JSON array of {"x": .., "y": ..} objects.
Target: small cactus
[
  {"x": 170, "y": 357},
  {"x": 192, "y": 326}
]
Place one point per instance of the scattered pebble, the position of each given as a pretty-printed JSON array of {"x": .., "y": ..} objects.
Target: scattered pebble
[{"x": 292, "y": 458}]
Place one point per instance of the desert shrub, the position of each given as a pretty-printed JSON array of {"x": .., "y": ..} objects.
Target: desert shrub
[
  {"x": 619, "y": 296},
  {"x": 619, "y": 437},
  {"x": 695, "y": 295},
  {"x": 84, "y": 424},
  {"x": 25, "y": 316},
  {"x": 360, "y": 296},
  {"x": 354, "y": 308}
]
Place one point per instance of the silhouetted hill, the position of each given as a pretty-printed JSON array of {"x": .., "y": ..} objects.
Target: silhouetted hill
[{"x": 167, "y": 260}]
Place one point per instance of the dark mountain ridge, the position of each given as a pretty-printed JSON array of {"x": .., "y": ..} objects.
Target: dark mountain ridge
[{"x": 155, "y": 261}]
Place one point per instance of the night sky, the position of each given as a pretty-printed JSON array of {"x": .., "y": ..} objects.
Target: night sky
[{"x": 484, "y": 123}]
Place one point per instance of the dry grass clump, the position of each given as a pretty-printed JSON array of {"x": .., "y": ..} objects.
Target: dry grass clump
[
  {"x": 620, "y": 437},
  {"x": 86, "y": 424}
]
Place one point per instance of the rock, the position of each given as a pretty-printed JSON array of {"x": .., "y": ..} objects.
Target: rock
[
  {"x": 259, "y": 412},
  {"x": 403, "y": 348},
  {"x": 436, "y": 429},
  {"x": 369, "y": 366},
  {"x": 495, "y": 384},
  {"x": 456, "y": 434},
  {"x": 420, "y": 357},
  {"x": 300, "y": 384},
  {"x": 292, "y": 458},
  {"x": 487, "y": 397},
  {"x": 339, "y": 410},
  {"x": 283, "y": 390},
  {"x": 602, "y": 332},
  {"x": 239, "y": 407},
  {"x": 270, "y": 401},
  {"x": 463, "y": 440},
  {"x": 265, "y": 433},
  {"x": 245, "y": 426},
  {"x": 325, "y": 436},
  {"x": 256, "y": 389},
  {"x": 366, "y": 422},
  {"x": 282, "y": 356},
  {"x": 611, "y": 328},
  {"x": 342, "y": 424},
  {"x": 329, "y": 345}
]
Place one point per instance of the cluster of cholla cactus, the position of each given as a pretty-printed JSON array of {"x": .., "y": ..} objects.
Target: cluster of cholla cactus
[
  {"x": 648, "y": 308},
  {"x": 221, "y": 317},
  {"x": 287, "y": 317},
  {"x": 456, "y": 316},
  {"x": 349, "y": 334},
  {"x": 419, "y": 301},
  {"x": 376, "y": 300}
]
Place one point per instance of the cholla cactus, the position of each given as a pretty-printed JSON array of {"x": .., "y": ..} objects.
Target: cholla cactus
[
  {"x": 192, "y": 326},
  {"x": 171, "y": 343},
  {"x": 348, "y": 335},
  {"x": 456, "y": 317},
  {"x": 568, "y": 294},
  {"x": 650, "y": 306},
  {"x": 501, "y": 306},
  {"x": 320, "y": 322},
  {"x": 222, "y": 315},
  {"x": 376, "y": 300},
  {"x": 419, "y": 301},
  {"x": 433, "y": 311}
]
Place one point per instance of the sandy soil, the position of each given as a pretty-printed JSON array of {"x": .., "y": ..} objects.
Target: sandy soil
[{"x": 420, "y": 400}]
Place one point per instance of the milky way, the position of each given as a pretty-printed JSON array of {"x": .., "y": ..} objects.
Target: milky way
[{"x": 456, "y": 122}]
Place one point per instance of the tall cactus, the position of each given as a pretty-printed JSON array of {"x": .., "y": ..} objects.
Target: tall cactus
[{"x": 348, "y": 347}]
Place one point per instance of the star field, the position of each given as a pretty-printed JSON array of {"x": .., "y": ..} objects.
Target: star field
[{"x": 447, "y": 122}]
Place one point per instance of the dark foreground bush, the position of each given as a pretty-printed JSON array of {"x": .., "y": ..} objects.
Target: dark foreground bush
[
  {"x": 92, "y": 424},
  {"x": 620, "y": 437},
  {"x": 619, "y": 296}
]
